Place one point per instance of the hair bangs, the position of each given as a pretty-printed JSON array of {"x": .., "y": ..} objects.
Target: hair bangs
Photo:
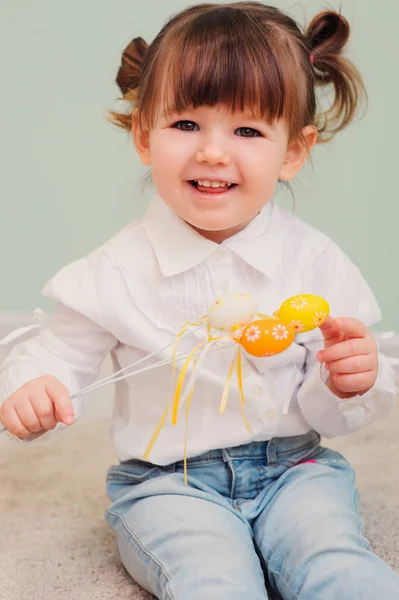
[
  {"x": 223, "y": 57},
  {"x": 250, "y": 57}
]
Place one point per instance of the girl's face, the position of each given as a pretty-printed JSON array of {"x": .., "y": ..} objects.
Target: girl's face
[{"x": 217, "y": 169}]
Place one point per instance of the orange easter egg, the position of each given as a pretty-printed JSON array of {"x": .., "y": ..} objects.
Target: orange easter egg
[{"x": 267, "y": 337}]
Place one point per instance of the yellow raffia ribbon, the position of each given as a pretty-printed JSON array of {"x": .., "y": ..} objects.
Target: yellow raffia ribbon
[
  {"x": 227, "y": 384},
  {"x": 164, "y": 416},
  {"x": 241, "y": 387},
  {"x": 236, "y": 364},
  {"x": 183, "y": 372},
  {"x": 188, "y": 404},
  {"x": 180, "y": 381},
  {"x": 190, "y": 397}
]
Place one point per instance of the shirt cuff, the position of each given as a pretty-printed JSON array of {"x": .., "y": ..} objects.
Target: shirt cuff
[{"x": 332, "y": 416}]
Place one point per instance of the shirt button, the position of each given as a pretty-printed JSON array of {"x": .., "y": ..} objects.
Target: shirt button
[
  {"x": 257, "y": 390},
  {"x": 271, "y": 414}
]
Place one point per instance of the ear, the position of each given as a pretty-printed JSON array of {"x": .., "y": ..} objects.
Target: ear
[
  {"x": 297, "y": 153},
  {"x": 141, "y": 139}
]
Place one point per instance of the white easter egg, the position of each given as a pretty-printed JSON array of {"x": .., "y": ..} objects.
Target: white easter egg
[{"x": 232, "y": 312}]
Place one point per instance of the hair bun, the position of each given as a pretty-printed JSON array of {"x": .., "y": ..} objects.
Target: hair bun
[
  {"x": 327, "y": 34},
  {"x": 128, "y": 76}
]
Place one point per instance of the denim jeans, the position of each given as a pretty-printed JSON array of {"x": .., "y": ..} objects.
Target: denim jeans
[{"x": 279, "y": 515}]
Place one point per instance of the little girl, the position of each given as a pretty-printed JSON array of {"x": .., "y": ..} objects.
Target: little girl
[{"x": 222, "y": 106}]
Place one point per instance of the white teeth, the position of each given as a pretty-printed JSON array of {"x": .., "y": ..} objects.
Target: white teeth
[{"x": 213, "y": 184}]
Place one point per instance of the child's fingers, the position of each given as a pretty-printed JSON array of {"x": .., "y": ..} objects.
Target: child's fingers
[
  {"x": 353, "y": 364},
  {"x": 352, "y": 328},
  {"x": 13, "y": 423},
  {"x": 349, "y": 348},
  {"x": 34, "y": 406},
  {"x": 330, "y": 329},
  {"x": 28, "y": 415},
  {"x": 44, "y": 408},
  {"x": 59, "y": 394},
  {"x": 354, "y": 383}
]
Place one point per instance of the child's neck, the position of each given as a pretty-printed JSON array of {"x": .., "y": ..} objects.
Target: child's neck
[{"x": 221, "y": 236}]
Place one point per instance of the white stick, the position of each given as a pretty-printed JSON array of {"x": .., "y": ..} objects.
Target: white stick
[
  {"x": 187, "y": 389},
  {"x": 108, "y": 380},
  {"x": 102, "y": 384}
]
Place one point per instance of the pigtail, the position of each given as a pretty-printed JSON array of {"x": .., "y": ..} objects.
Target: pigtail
[
  {"x": 326, "y": 38},
  {"x": 128, "y": 80},
  {"x": 128, "y": 76}
]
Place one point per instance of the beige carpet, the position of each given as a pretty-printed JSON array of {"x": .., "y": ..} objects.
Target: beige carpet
[{"x": 56, "y": 545}]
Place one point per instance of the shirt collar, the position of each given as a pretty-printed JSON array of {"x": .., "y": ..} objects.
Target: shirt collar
[{"x": 178, "y": 247}]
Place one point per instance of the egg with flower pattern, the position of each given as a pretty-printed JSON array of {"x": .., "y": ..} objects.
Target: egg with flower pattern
[
  {"x": 267, "y": 337},
  {"x": 304, "y": 312},
  {"x": 230, "y": 313}
]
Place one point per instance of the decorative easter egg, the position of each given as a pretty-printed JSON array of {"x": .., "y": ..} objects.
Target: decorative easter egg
[
  {"x": 267, "y": 337},
  {"x": 232, "y": 312},
  {"x": 304, "y": 312}
]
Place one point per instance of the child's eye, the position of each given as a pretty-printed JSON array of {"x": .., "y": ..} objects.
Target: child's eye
[
  {"x": 248, "y": 132},
  {"x": 186, "y": 126}
]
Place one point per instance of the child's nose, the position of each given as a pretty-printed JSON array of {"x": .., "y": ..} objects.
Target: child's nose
[{"x": 214, "y": 155}]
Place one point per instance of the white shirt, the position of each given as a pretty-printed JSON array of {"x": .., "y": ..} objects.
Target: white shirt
[{"x": 133, "y": 294}]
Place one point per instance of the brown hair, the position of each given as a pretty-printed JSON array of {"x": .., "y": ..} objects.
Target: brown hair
[{"x": 243, "y": 55}]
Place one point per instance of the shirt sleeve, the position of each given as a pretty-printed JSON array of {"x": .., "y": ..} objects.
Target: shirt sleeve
[
  {"x": 339, "y": 281},
  {"x": 71, "y": 347}
]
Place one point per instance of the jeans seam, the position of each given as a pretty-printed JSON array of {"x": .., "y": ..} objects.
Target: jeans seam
[
  {"x": 271, "y": 452},
  {"x": 146, "y": 553},
  {"x": 192, "y": 462},
  {"x": 298, "y": 449},
  {"x": 277, "y": 576},
  {"x": 123, "y": 476},
  {"x": 360, "y": 529},
  {"x": 230, "y": 463}
]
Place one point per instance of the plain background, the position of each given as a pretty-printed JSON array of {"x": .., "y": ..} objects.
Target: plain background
[{"x": 69, "y": 179}]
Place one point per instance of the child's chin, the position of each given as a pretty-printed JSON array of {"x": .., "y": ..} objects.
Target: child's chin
[
  {"x": 212, "y": 223},
  {"x": 215, "y": 226}
]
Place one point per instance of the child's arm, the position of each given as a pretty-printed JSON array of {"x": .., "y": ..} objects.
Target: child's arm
[
  {"x": 359, "y": 385},
  {"x": 333, "y": 408},
  {"x": 71, "y": 349}
]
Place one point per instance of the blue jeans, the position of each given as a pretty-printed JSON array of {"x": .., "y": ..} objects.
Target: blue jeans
[{"x": 279, "y": 515}]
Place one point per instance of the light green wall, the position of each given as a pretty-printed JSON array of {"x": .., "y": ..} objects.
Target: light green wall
[{"x": 69, "y": 180}]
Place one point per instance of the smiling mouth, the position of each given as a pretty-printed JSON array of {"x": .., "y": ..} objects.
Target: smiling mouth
[{"x": 212, "y": 187}]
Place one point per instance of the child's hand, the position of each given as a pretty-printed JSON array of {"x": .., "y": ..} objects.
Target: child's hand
[
  {"x": 37, "y": 407},
  {"x": 350, "y": 355}
]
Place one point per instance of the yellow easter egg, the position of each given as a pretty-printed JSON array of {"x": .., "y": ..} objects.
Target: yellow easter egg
[
  {"x": 304, "y": 312},
  {"x": 267, "y": 337}
]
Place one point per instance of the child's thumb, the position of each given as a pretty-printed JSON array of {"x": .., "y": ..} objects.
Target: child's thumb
[{"x": 63, "y": 407}]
